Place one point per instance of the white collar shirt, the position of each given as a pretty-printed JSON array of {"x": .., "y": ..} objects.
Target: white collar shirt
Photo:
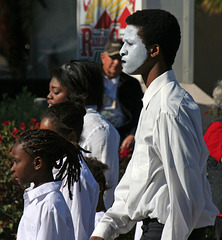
[
  {"x": 166, "y": 177},
  {"x": 111, "y": 85},
  {"x": 83, "y": 203},
  {"x": 102, "y": 140},
  {"x": 111, "y": 108},
  {"x": 46, "y": 215}
]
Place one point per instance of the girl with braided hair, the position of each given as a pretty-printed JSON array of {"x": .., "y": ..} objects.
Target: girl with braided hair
[
  {"x": 66, "y": 119},
  {"x": 46, "y": 214}
]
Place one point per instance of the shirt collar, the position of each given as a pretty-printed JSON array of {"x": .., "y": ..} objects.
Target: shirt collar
[
  {"x": 32, "y": 193},
  {"x": 156, "y": 85},
  {"x": 114, "y": 80},
  {"x": 90, "y": 108}
]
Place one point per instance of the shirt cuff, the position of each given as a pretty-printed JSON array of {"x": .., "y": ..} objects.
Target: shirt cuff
[{"x": 103, "y": 230}]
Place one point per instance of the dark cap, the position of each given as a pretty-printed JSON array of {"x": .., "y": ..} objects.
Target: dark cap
[{"x": 113, "y": 47}]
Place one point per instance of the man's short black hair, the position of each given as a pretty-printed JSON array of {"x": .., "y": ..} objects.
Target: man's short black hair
[{"x": 160, "y": 27}]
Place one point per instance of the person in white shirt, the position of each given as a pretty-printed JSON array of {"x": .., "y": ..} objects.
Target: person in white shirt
[
  {"x": 66, "y": 119},
  {"x": 83, "y": 79},
  {"x": 165, "y": 183},
  {"x": 46, "y": 215},
  {"x": 98, "y": 170}
]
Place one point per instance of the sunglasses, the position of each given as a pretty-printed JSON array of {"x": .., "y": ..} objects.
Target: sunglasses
[{"x": 116, "y": 56}]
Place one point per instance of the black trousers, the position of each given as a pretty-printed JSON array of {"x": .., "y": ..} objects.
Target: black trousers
[
  {"x": 218, "y": 228},
  {"x": 152, "y": 230}
]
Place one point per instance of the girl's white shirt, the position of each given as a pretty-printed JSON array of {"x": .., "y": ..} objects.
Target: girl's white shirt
[
  {"x": 102, "y": 140},
  {"x": 46, "y": 215},
  {"x": 84, "y": 202}
]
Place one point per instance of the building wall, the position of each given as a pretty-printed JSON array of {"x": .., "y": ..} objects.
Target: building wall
[
  {"x": 183, "y": 10},
  {"x": 198, "y": 60},
  {"x": 207, "y": 50},
  {"x": 54, "y": 37},
  {"x": 55, "y": 41}
]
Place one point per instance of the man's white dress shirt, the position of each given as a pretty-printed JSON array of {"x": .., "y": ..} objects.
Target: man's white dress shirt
[
  {"x": 102, "y": 139},
  {"x": 166, "y": 177},
  {"x": 46, "y": 215}
]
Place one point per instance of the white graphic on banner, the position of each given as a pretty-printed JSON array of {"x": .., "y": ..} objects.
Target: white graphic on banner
[{"x": 100, "y": 21}]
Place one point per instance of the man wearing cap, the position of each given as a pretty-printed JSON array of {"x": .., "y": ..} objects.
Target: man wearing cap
[{"x": 122, "y": 95}]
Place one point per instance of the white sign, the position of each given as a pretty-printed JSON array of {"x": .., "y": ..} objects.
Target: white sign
[{"x": 101, "y": 21}]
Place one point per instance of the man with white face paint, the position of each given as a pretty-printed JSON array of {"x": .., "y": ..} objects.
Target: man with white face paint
[
  {"x": 122, "y": 95},
  {"x": 165, "y": 183},
  {"x": 132, "y": 49}
]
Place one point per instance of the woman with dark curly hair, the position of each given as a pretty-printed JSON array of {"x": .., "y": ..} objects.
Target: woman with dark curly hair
[{"x": 83, "y": 80}]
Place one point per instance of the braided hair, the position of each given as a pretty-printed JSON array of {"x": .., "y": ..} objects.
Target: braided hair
[{"x": 53, "y": 148}]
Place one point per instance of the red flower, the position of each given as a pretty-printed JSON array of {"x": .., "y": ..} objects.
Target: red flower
[
  {"x": 4, "y": 223},
  {"x": 5, "y": 123},
  {"x": 33, "y": 120},
  {"x": 15, "y": 131},
  {"x": 1, "y": 138},
  {"x": 122, "y": 154},
  {"x": 37, "y": 125},
  {"x": 22, "y": 126},
  {"x": 125, "y": 152},
  {"x": 10, "y": 149}
]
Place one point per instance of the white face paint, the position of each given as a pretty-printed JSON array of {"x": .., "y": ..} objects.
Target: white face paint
[{"x": 133, "y": 51}]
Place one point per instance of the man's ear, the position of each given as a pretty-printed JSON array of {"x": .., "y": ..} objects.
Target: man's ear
[
  {"x": 102, "y": 55},
  {"x": 154, "y": 50},
  {"x": 38, "y": 163}
]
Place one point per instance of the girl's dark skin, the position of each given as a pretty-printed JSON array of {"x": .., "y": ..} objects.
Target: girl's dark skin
[{"x": 27, "y": 169}]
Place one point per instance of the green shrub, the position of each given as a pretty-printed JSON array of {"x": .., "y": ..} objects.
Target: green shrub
[
  {"x": 15, "y": 115},
  {"x": 11, "y": 193},
  {"x": 21, "y": 108}
]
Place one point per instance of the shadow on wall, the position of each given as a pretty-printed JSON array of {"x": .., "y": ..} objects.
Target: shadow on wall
[
  {"x": 207, "y": 50},
  {"x": 206, "y": 117},
  {"x": 204, "y": 101}
]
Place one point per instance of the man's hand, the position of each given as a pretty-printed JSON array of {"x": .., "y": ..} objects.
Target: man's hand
[
  {"x": 96, "y": 238},
  {"x": 128, "y": 142}
]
